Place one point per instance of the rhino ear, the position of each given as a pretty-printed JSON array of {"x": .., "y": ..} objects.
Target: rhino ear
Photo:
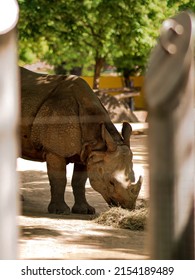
[
  {"x": 126, "y": 133},
  {"x": 96, "y": 156},
  {"x": 86, "y": 150},
  {"x": 110, "y": 143}
]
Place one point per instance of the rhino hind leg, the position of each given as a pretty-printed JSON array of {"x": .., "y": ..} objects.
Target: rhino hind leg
[
  {"x": 79, "y": 179},
  {"x": 56, "y": 169}
]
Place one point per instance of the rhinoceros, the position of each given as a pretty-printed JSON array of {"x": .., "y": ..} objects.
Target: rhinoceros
[{"x": 63, "y": 121}]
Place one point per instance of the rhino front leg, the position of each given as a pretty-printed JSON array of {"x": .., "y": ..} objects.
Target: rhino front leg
[
  {"x": 79, "y": 179},
  {"x": 56, "y": 169}
]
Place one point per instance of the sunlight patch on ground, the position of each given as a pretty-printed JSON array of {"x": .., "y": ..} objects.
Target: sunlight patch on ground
[
  {"x": 135, "y": 126},
  {"x": 23, "y": 165}
]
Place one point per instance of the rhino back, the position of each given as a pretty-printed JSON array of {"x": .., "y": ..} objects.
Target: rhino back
[
  {"x": 60, "y": 114},
  {"x": 35, "y": 89},
  {"x": 68, "y": 118}
]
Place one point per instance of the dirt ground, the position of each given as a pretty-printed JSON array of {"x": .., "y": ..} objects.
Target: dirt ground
[{"x": 46, "y": 236}]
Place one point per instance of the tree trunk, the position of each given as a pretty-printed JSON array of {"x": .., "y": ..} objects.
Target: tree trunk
[{"x": 99, "y": 62}]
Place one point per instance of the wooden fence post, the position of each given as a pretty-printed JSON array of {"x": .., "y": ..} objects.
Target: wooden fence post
[
  {"x": 170, "y": 96},
  {"x": 8, "y": 127}
]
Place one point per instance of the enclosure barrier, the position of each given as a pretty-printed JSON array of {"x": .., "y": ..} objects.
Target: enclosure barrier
[
  {"x": 117, "y": 82},
  {"x": 8, "y": 127},
  {"x": 170, "y": 96}
]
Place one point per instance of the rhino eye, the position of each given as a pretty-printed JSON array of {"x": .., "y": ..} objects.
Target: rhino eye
[
  {"x": 101, "y": 170},
  {"x": 112, "y": 183}
]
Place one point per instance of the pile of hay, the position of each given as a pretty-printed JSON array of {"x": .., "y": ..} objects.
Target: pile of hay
[{"x": 123, "y": 218}]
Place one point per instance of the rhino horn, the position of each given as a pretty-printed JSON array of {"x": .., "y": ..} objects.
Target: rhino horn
[
  {"x": 110, "y": 143},
  {"x": 135, "y": 187},
  {"x": 126, "y": 133}
]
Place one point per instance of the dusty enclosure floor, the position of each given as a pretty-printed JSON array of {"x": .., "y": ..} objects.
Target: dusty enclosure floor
[{"x": 46, "y": 236}]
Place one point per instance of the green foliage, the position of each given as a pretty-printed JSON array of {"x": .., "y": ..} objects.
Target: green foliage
[
  {"x": 187, "y": 5},
  {"x": 83, "y": 32}
]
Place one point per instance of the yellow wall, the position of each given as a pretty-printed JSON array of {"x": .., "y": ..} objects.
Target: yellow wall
[
  {"x": 140, "y": 102},
  {"x": 117, "y": 82}
]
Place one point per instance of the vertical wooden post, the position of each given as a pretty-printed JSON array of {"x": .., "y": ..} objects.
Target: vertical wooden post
[
  {"x": 8, "y": 126},
  {"x": 170, "y": 96}
]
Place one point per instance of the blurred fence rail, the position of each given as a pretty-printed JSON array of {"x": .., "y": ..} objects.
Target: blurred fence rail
[
  {"x": 170, "y": 96},
  {"x": 8, "y": 129}
]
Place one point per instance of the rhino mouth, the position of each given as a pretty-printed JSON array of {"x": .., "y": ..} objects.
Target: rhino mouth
[{"x": 113, "y": 203}]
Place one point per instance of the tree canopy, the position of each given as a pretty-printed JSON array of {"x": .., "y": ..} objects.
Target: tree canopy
[{"x": 93, "y": 32}]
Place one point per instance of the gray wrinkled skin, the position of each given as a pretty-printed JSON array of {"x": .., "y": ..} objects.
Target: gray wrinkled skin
[{"x": 63, "y": 121}]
